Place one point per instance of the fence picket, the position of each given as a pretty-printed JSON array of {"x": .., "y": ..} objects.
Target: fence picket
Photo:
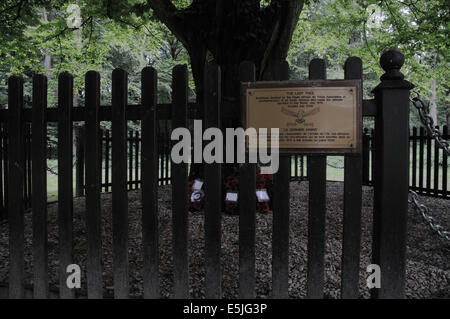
[
  {"x": 129, "y": 142},
  {"x": 213, "y": 217},
  {"x": 428, "y": 167},
  {"x": 247, "y": 208},
  {"x": 100, "y": 155},
  {"x": 372, "y": 157},
  {"x": 6, "y": 163},
  {"x": 28, "y": 181},
  {"x": 445, "y": 191},
  {"x": 65, "y": 180},
  {"x": 167, "y": 161},
  {"x": 280, "y": 235},
  {"x": 351, "y": 242},
  {"x": 179, "y": 188},
  {"x": 421, "y": 157},
  {"x": 366, "y": 156},
  {"x": 302, "y": 165},
  {"x": 436, "y": 167},
  {"x": 25, "y": 156},
  {"x": 414, "y": 158},
  {"x": 79, "y": 158},
  {"x": 119, "y": 183},
  {"x": 39, "y": 188},
  {"x": 15, "y": 185},
  {"x": 316, "y": 208},
  {"x": 93, "y": 185},
  {"x": 160, "y": 154},
  {"x": 107, "y": 160},
  {"x": 136, "y": 159},
  {"x": 149, "y": 174}
]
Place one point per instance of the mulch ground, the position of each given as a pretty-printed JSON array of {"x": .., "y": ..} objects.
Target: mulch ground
[{"x": 428, "y": 255}]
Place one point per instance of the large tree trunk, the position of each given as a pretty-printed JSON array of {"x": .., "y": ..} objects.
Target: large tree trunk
[{"x": 231, "y": 31}]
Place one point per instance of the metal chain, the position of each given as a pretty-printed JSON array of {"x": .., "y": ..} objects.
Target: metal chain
[
  {"x": 334, "y": 166},
  {"x": 428, "y": 122},
  {"x": 51, "y": 171},
  {"x": 425, "y": 212}
]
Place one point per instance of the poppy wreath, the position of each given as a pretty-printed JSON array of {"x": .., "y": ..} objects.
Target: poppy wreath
[
  {"x": 232, "y": 185},
  {"x": 263, "y": 181},
  {"x": 196, "y": 198}
]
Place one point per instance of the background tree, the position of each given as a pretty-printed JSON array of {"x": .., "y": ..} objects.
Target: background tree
[{"x": 334, "y": 30}]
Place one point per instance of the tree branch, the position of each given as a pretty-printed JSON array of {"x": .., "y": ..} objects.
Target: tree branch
[
  {"x": 290, "y": 11},
  {"x": 165, "y": 11},
  {"x": 286, "y": 12},
  {"x": 66, "y": 28}
]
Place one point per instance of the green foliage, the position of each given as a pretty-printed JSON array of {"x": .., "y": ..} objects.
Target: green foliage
[
  {"x": 125, "y": 34},
  {"x": 335, "y": 30},
  {"x": 100, "y": 43}
]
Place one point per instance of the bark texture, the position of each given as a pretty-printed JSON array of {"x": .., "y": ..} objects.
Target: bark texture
[{"x": 231, "y": 31}]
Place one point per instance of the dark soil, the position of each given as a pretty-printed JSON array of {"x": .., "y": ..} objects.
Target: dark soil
[{"x": 428, "y": 255}]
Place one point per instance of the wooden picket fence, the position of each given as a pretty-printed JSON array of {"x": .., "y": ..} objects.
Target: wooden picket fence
[
  {"x": 390, "y": 109},
  {"x": 428, "y": 169},
  {"x": 429, "y": 176},
  {"x": 134, "y": 142},
  {"x": 428, "y": 165}
]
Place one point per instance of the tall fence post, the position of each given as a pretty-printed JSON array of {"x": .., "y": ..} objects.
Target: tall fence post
[
  {"x": 247, "y": 210},
  {"x": 351, "y": 240},
  {"x": 149, "y": 175},
  {"x": 15, "y": 193},
  {"x": 180, "y": 188},
  {"x": 317, "y": 176},
  {"x": 212, "y": 171},
  {"x": 280, "y": 235},
  {"x": 65, "y": 181},
  {"x": 93, "y": 186},
  {"x": 39, "y": 187},
  {"x": 445, "y": 193},
  {"x": 391, "y": 177},
  {"x": 119, "y": 184}
]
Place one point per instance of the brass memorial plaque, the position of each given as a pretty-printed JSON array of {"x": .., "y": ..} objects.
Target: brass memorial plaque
[{"x": 312, "y": 116}]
